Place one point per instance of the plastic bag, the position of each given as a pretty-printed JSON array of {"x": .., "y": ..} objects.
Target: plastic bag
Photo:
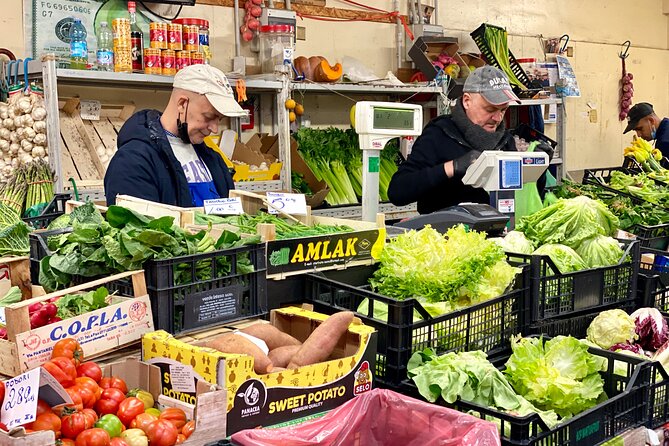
[
  {"x": 528, "y": 200},
  {"x": 380, "y": 417}
]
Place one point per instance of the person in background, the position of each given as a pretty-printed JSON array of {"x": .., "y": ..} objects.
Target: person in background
[
  {"x": 449, "y": 144},
  {"x": 647, "y": 125},
  {"x": 162, "y": 157}
]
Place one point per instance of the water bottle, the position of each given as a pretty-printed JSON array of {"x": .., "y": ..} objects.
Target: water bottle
[
  {"x": 105, "y": 55},
  {"x": 78, "y": 46}
]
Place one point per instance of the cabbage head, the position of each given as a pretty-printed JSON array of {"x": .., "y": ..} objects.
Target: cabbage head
[
  {"x": 566, "y": 259},
  {"x": 600, "y": 251},
  {"x": 612, "y": 327}
]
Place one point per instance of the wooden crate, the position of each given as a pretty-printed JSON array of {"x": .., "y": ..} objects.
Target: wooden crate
[
  {"x": 80, "y": 138},
  {"x": 121, "y": 323},
  {"x": 19, "y": 437},
  {"x": 15, "y": 271}
]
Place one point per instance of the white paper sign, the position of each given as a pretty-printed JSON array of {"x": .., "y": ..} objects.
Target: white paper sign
[
  {"x": 294, "y": 204},
  {"x": 182, "y": 378},
  {"x": 20, "y": 403},
  {"x": 90, "y": 110},
  {"x": 223, "y": 206},
  {"x": 3, "y": 319}
]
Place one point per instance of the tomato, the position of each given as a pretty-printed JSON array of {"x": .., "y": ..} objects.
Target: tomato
[
  {"x": 175, "y": 416},
  {"x": 2, "y": 390},
  {"x": 188, "y": 428},
  {"x": 143, "y": 395},
  {"x": 90, "y": 369},
  {"x": 161, "y": 433},
  {"x": 3, "y": 426},
  {"x": 142, "y": 420},
  {"x": 115, "y": 382},
  {"x": 91, "y": 415},
  {"x": 153, "y": 411},
  {"x": 109, "y": 401},
  {"x": 90, "y": 384},
  {"x": 93, "y": 437},
  {"x": 68, "y": 348},
  {"x": 129, "y": 409},
  {"x": 87, "y": 397},
  {"x": 135, "y": 437},
  {"x": 111, "y": 424},
  {"x": 75, "y": 423},
  {"x": 118, "y": 441},
  {"x": 62, "y": 369},
  {"x": 65, "y": 442},
  {"x": 180, "y": 438},
  {"x": 42, "y": 407},
  {"x": 46, "y": 422}
]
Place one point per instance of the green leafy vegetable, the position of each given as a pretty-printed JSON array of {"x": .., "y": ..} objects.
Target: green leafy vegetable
[
  {"x": 515, "y": 241},
  {"x": 72, "y": 305},
  {"x": 600, "y": 251},
  {"x": 566, "y": 259},
  {"x": 611, "y": 327},
  {"x": 13, "y": 296},
  {"x": 559, "y": 374}
]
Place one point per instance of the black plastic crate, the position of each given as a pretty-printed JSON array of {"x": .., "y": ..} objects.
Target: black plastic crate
[
  {"x": 486, "y": 326},
  {"x": 554, "y": 295},
  {"x": 653, "y": 282},
  {"x": 53, "y": 210},
  {"x": 479, "y": 38},
  {"x": 634, "y": 399},
  {"x": 602, "y": 176},
  {"x": 190, "y": 292}
]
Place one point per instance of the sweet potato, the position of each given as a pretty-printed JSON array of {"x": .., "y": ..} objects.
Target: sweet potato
[
  {"x": 232, "y": 343},
  {"x": 281, "y": 356},
  {"x": 322, "y": 341},
  {"x": 272, "y": 336}
]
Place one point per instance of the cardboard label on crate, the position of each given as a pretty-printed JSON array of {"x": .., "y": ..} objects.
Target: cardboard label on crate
[
  {"x": 22, "y": 392},
  {"x": 310, "y": 253},
  {"x": 206, "y": 307},
  {"x": 294, "y": 204},
  {"x": 5, "y": 280},
  {"x": 90, "y": 110},
  {"x": 182, "y": 377},
  {"x": 224, "y": 206},
  {"x": 98, "y": 331}
]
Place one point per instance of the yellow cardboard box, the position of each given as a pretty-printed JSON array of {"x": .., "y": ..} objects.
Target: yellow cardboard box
[{"x": 263, "y": 400}]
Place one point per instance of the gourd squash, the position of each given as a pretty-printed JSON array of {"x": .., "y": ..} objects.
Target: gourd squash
[
  {"x": 324, "y": 72},
  {"x": 303, "y": 67}
]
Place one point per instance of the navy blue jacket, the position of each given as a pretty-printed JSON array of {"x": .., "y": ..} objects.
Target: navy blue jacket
[
  {"x": 662, "y": 137},
  {"x": 145, "y": 165},
  {"x": 422, "y": 179}
]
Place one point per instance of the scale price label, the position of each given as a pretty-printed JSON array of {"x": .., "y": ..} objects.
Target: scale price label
[
  {"x": 294, "y": 204},
  {"x": 90, "y": 110},
  {"x": 20, "y": 403},
  {"x": 224, "y": 206}
]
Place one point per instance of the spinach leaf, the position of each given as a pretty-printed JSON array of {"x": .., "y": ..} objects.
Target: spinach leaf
[{"x": 118, "y": 217}]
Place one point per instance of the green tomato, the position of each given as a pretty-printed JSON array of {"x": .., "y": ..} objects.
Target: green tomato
[
  {"x": 111, "y": 424},
  {"x": 153, "y": 411},
  {"x": 143, "y": 395}
]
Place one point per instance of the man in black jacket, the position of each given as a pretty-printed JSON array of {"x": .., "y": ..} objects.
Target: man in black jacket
[
  {"x": 162, "y": 157},
  {"x": 647, "y": 125},
  {"x": 432, "y": 174}
]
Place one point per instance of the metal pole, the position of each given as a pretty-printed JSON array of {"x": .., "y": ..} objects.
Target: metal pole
[
  {"x": 284, "y": 132},
  {"x": 52, "y": 119},
  {"x": 238, "y": 45},
  {"x": 398, "y": 36},
  {"x": 419, "y": 6},
  {"x": 288, "y": 7},
  {"x": 435, "y": 13},
  {"x": 370, "y": 184},
  {"x": 412, "y": 12}
]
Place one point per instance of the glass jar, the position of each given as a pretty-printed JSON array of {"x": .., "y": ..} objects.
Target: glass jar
[{"x": 276, "y": 46}]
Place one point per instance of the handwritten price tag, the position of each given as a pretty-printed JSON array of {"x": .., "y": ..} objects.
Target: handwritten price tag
[
  {"x": 20, "y": 403},
  {"x": 223, "y": 206},
  {"x": 293, "y": 204},
  {"x": 90, "y": 110}
]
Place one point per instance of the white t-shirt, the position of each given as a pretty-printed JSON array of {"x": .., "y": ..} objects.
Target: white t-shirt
[{"x": 195, "y": 169}]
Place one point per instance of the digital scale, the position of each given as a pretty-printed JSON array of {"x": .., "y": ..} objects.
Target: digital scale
[{"x": 377, "y": 123}]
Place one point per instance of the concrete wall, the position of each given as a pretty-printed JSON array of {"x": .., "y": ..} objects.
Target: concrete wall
[{"x": 596, "y": 28}]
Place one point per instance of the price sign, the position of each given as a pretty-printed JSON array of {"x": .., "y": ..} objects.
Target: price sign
[
  {"x": 3, "y": 319},
  {"x": 20, "y": 403},
  {"x": 223, "y": 206},
  {"x": 90, "y": 110},
  {"x": 294, "y": 204}
]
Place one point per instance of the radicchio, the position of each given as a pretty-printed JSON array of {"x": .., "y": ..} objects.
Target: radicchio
[
  {"x": 651, "y": 328},
  {"x": 635, "y": 348}
]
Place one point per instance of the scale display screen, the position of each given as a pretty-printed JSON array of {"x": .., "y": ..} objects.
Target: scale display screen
[
  {"x": 510, "y": 174},
  {"x": 393, "y": 118}
]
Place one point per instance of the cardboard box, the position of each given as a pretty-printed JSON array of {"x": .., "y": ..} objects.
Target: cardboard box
[
  {"x": 15, "y": 271},
  {"x": 318, "y": 188},
  {"x": 122, "y": 322},
  {"x": 255, "y": 152},
  {"x": 263, "y": 400}
]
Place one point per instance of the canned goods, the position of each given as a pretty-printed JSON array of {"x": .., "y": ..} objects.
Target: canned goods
[
  {"x": 123, "y": 59},
  {"x": 158, "y": 34},
  {"x": 152, "y": 62},
  {"x": 174, "y": 37},
  {"x": 168, "y": 62},
  {"x": 191, "y": 37},
  {"x": 196, "y": 57},
  {"x": 182, "y": 59}
]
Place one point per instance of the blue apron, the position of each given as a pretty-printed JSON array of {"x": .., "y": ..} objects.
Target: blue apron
[{"x": 202, "y": 191}]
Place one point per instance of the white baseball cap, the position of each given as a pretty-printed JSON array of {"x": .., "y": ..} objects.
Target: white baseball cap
[{"x": 211, "y": 82}]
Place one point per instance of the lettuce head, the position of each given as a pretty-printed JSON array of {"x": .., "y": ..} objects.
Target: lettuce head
[
  {"x": 611, "y": 327},
  {"x": 599, "y": 250},
  {"x": 566, "y": 259}
]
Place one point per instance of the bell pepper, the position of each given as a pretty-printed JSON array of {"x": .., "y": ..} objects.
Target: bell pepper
[
  {"x": 111, "y": 423},
  {"x": 143, "y": 395},
  {"x": 135, "y": 437},
  {"x": 153, "y": 411}
]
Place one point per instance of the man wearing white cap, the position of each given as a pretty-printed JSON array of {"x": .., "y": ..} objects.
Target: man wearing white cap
[
  {"x": 162, "y": 157},
  {"x": 449, "y": 144}
]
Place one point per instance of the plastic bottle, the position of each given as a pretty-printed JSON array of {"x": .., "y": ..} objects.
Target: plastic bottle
[
  {"x": 78, "y": 46},
  {"x": 105, "y": 55},
  {"x": 136, "y": 39}
]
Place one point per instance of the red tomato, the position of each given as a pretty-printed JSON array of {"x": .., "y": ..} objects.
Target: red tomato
[
  {"x": 180, "y": 439},
  {"x": 90, "y": 384},
  {"x": 76, "y": 404},
  {"x": 3, "y": 426},
  {"x": 114, "y": 382},
  {"x": 93, "y": 437},
  {"x": 142, "y": 421},
  {"x": 161, "y": 433},
  {"x": 65, "y": 442},
  {"x": 46, "y": 422},
  {"x": 91, "y": 415},
  {"x": 68, "y": 348},
  {"x": 74, "y": 424},
  {"x": 188, "y": 428},
  {"x": 62, "y": 369},
  {"x": 109, "y": 401},
  {"x": 87, "y": 397},
  {"x": 129, "y": 409},
  {"x": 2, "y": 391},
  {"x": 42, "y": 407},
  {"x": 90, "y": 369},
  {"x": 118, "y": 441},
  {"x": 175, "y": 416}
]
